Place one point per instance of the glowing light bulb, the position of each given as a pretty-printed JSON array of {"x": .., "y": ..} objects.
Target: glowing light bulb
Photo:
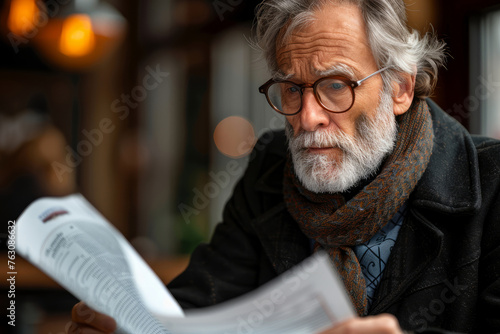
[
  {"x": 22, "y": 16},
  {"x": 77, "y": 37}
]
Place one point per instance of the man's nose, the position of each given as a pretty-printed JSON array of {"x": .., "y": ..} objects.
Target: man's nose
[{"x": 312, "y": 116}]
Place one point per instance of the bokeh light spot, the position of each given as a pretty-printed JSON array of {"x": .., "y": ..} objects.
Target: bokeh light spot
[
  {"x": 77, "y": 38},
  {"x": 22, "y": 16},
  {"x": 235, "y": 137}
]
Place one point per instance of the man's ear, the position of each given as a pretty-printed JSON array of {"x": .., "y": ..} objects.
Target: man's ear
[{"x": 403, "y": 93}]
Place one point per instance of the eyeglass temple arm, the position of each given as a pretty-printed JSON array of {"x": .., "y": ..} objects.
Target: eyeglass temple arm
[{"x": 371, "y": 75}]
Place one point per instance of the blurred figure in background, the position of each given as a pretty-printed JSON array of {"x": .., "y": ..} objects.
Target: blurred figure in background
[{"x": 29, "y": 144}]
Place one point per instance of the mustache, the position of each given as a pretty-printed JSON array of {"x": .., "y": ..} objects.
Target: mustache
[{"x": 318, "y": 139}]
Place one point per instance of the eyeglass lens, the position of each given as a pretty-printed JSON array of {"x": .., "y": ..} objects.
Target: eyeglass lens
[{"x": 334, "y": 94}]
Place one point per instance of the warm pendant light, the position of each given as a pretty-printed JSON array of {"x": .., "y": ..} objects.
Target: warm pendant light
[
  {"x": 82, "y": 35},
  {"x": 22, "y": 15}
]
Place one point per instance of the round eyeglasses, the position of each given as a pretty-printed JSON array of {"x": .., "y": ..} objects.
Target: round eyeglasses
[{"x": 334, "y": 93}]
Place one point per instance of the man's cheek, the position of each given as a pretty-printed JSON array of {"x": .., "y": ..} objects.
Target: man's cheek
[{"x": 293, "y": 122}]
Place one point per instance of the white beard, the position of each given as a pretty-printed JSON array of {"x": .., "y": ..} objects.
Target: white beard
[{"x": 361, "y": 155}]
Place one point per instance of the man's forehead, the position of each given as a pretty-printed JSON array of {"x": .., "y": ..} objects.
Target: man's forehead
[
  {"x": 314, "y": 61},
  {"x": 336, "y": 35}
]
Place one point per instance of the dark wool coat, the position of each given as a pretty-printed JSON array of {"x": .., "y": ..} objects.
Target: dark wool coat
[{"x": 443, "y": 272}]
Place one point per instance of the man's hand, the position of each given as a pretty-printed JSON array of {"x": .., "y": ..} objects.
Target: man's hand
[
  {"x": 87, "y": 321},
  {"x": 380, "y": 324}
]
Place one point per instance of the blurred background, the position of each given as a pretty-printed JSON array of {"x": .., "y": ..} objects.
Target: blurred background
[{"x": 150, "y": 109}]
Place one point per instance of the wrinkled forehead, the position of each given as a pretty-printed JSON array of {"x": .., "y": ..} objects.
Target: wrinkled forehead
[
  {"x": 317, "y": 52},
  {"x": 335, "y": 34}
]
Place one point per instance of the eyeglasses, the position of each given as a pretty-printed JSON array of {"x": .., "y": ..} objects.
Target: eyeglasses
[{"x": 334, "y": 93}]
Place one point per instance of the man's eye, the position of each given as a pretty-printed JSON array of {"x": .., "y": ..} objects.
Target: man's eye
[
  {"x": 337, "y": 86},
  {"x": 293, "y": 90}
]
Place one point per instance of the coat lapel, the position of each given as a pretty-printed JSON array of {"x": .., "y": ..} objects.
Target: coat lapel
[{"x": 419, "y": 243}]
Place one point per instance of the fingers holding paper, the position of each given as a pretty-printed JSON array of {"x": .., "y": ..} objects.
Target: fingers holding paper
[
  {"x": 87, "y": 321},
  {"x": 380, "y": 324}
]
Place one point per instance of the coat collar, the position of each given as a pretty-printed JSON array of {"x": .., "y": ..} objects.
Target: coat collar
[{"x": 451, "y": 183}]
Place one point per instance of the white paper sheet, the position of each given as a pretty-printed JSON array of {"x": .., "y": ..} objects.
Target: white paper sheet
[{"x": 71, "y": 242}]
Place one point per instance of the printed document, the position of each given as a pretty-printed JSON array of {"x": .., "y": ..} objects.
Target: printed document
[{"x": 73, "y": 243}]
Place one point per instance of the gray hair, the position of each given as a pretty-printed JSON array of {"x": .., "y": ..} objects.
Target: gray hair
[{"x": 392, "y": 42}]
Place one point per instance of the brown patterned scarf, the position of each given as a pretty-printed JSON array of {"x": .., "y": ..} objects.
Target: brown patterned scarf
[{"x": 336, "y": 226}]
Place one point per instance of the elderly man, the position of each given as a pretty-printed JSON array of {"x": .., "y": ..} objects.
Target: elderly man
[{"x": 403, "y": 199}]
